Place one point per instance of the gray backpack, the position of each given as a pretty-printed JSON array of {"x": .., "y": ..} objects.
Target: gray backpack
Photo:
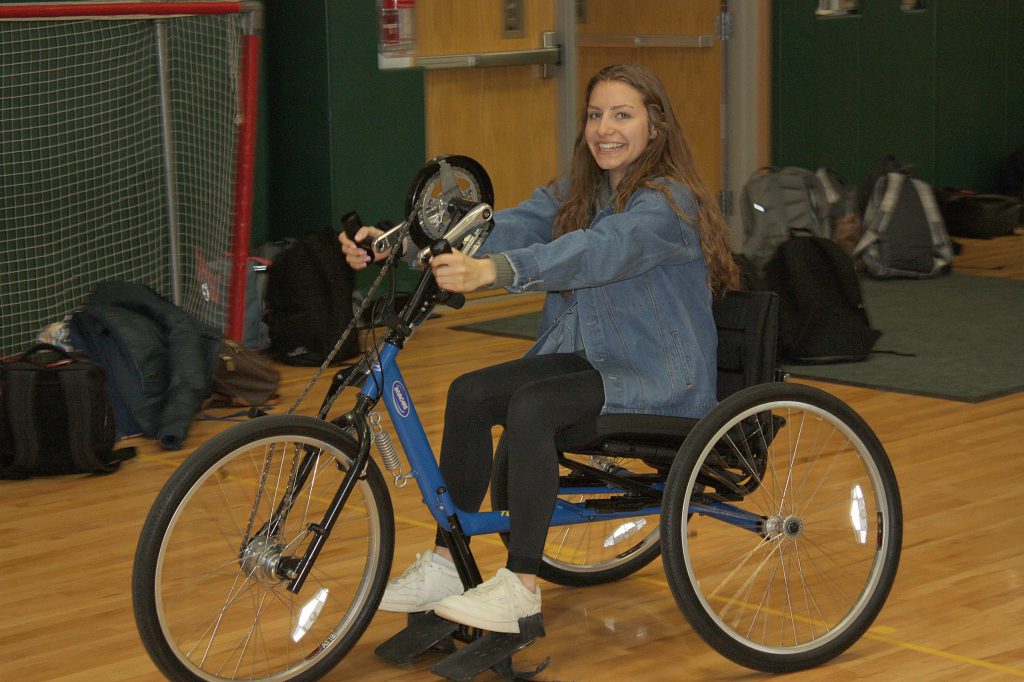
[
  {"x": 777, "y": 203},
  {"x": 904, "y": 234}
]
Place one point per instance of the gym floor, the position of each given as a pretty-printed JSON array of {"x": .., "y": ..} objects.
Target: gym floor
[{"x": 66, "y": 545}]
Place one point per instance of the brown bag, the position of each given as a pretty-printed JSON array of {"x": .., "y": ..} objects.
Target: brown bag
[
  {"x": 242, "y": 378},
  {"x": 847, "y": 233}
]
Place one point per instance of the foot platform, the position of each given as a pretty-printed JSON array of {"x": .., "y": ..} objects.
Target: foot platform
[
  {"x": 423, "y": 632},
  {"x": 426, "y": 632},
  {"x": 494, "y": 652}
]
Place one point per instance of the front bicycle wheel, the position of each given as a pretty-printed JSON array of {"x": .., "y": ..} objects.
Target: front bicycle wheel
[
  {"x": 794, "y": 529},
  {"x": 209, "y": 598}
]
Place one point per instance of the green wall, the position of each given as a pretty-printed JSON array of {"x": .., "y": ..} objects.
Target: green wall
[
  {"x": 941, "y": 89},
  {"x": 338, "y": 134}
]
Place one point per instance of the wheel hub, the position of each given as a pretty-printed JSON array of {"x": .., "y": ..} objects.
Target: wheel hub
[
  {"x": 778, "y": 527},
  {"x": 260, "y": 560}
]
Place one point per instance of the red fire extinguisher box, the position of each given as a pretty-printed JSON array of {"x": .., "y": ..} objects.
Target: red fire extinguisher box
[{"x": 396, "y": 21}]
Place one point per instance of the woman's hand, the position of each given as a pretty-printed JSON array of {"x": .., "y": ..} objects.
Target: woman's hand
[
  {"x": 457, "y": 272},
  {"x": 356, "y": 257}
]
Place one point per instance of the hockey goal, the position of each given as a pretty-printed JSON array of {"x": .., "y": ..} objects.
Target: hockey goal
[{"x": 127, "y": 132}]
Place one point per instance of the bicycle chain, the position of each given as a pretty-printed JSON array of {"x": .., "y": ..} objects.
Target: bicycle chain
[{"x": 289, "y": 499}]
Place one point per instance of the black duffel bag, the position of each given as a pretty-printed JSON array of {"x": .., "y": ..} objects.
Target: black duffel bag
[
  {"x": 979, "y": 216},
  {"x": 56, "y": 417}
]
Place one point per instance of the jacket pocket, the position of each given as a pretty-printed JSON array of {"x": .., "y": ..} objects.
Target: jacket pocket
[{"x": 681, "y": 367}]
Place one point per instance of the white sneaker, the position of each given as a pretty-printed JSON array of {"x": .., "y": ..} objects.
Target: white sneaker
[
  {"x": 495, "y": 605},
  {"x": 422, "y": 585}
]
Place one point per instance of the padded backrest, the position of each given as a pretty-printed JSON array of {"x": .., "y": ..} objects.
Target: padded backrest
[{"x": 747, "y": 323}]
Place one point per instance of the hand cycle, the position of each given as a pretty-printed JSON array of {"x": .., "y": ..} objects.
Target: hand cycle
[{"x": 265, "y": 555}]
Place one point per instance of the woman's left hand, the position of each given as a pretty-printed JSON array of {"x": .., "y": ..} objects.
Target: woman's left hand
[{"x": 459, "y": 273}]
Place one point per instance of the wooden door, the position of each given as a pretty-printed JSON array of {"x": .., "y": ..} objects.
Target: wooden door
[
  {"x": 506, "y": 117},
  {"x": 692, "y": 75}
]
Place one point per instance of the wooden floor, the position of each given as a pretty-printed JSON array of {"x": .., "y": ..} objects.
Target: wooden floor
[{"x": 956, "y": 611}]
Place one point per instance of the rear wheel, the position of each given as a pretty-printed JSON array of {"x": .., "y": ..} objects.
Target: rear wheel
[
  {"x": 791, "y": 573},
  {"x": 209, "y": 597},
  {"x": 589, "y": 553}
]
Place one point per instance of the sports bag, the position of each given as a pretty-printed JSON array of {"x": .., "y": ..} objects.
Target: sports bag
[
  {"x": 979, "y": 216},
  {"x": 242, "y": 378},
  {"x": 904, "y": 234},
  {"x": 309, "y": 301},
  {"x": 822, "y": 318},
  {"x": 777, "y": 203},
  {"x": 56, "y": 418}
]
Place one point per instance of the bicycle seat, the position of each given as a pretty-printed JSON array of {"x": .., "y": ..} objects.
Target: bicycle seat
[{"x": 747, "y": 324}]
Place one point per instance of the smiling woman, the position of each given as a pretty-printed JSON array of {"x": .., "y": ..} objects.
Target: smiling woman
[{"x": 630, "y": 240}]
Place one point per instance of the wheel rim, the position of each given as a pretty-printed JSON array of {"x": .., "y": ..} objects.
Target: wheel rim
[
  {"x": 824, "y": 534},
  {"x": 601, "y": 545},
  {"x": 222, "y": 609},
  {"x": 436, "y": 183}
]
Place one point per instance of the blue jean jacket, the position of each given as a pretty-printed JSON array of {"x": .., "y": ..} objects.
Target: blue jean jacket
[{"x": 641, "y": 296}]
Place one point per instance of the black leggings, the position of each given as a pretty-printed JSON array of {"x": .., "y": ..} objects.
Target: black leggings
[{"x": 533, "y": 398}]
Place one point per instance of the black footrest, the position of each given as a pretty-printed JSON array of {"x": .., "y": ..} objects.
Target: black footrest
[
  {"x": 493, "y": 651},
  {"x": 423, "y": 632}
]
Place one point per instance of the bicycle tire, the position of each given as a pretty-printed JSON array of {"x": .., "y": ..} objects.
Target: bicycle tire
[
  {"x": 207, "y": 603},
  {"x": 827, "y": 518}
]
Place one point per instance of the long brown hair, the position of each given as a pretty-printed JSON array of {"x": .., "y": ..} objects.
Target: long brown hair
[{"x": 667, "y": 155}]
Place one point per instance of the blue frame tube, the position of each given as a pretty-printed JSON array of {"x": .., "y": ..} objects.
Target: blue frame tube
[{"x": 386, "y": 382}]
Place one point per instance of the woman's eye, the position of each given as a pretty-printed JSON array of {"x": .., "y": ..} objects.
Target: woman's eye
[{"x": 594, "y": 115}]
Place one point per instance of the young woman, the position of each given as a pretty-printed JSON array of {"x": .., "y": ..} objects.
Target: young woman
[{"x": 630, "y": 248}]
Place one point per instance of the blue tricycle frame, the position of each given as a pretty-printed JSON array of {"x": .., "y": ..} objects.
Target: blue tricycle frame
[{"x": 777, "y": 515}]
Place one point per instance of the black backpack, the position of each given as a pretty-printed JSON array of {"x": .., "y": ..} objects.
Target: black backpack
[
  {"x": 822, "y": 318},
  {"x": 309, "y": 301},
  {"x": 55, "y": 417}
]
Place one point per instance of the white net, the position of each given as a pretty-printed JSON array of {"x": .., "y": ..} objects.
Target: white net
[{"x": 117, "y": 162}]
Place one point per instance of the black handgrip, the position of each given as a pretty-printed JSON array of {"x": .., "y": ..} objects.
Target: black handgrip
[
  {"x": 350, "y": 223},
  {"x": 448, "y": 298},
  {"x": 439, "y": 247},
  {"x": 455, "y": 301}
]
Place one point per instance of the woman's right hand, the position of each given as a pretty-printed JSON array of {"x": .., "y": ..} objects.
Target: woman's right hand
[{"x": 355, "y": 256}]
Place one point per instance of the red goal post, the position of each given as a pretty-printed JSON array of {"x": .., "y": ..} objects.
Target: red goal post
[{"x": 244, "y": 118}]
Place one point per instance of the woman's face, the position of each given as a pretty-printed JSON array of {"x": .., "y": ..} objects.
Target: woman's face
[{"x": 618, "y": 128}]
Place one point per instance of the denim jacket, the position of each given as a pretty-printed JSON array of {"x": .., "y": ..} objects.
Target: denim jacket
[{"x": 641, "y": 296}]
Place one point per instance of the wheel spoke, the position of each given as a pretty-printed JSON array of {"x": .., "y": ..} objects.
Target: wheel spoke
[{"x": 810, "y": 586}]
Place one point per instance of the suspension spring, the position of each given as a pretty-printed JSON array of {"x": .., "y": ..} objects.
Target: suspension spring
[{"x": 388, "y": 452}]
